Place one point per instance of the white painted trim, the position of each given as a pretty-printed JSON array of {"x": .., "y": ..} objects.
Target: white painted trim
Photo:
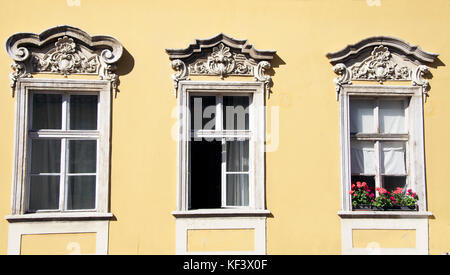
[
  {"x": 25, "y": 85},
  {"x": 75, "y": 215},
  {"x": 418, "y": 224},
  {"x": 416, "y": 153},
  {"x": 16, "y": 230},
  {"x": 258, "y": 224},
  {"x": 257, "y": 126}
]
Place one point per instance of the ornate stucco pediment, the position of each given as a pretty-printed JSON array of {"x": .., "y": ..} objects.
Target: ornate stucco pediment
[
  {"x": 221, "y": 56},
  {"x": 63, "y": 50},
  {"x": 381, "y": 59}
]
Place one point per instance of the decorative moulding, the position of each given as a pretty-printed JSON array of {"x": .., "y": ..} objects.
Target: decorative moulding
[
  {"x": 222, "y": 56},
  {"x": 381, "y": 59},
  {"x": 63, "y": 50}
]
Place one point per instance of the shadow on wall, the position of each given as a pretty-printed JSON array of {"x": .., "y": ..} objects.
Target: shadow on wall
[{"x": 124, "y": 66}]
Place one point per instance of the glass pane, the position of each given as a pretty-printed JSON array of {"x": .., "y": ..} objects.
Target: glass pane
[
  {"x": 83, "y": 112},
  {"x": 236, "y": 112},
  {"x": 81, "y": 192},
  {"x": 45, "y": 156},
  {"x": 391, "y": 183},
  {"x": 393, "y": 158},
  {"x": 82, "y": 156},
  {"x": 392, "y": 116},
  {"x": 361, "y": 116},
  {"x": 237, "y": 156},
  {"x": 47, "y": 111},
  {"x": 203, "y": 112},
  {"x": 363, "y": 157},
  {"x": 237, "y": 190},
  {"x": 44, "y": 192}
]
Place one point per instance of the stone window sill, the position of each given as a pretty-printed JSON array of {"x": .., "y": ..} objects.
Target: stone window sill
[{"x": 67, "y": 216}]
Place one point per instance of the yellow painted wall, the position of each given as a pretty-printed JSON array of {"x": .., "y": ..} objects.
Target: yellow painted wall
[
  {"x": 58, "y": 244},
  {"x": 303, "y": 173},
  {"x": 200, "y": 240},
  {"x": 384, "y": 238}
]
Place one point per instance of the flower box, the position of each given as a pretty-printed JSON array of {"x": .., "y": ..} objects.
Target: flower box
[{"x": 362, "y": 207}]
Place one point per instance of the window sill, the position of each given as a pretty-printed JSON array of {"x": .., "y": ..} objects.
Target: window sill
[
  {"x": 221, "y": 213},
  {"x": 384, "y": 214},
  {"x": 75, "y": 216}
]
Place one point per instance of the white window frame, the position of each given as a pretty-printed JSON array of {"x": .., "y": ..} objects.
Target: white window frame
[
  {"x": 414, "y": 147},
  {"x": 256, "y": 147},
  {"x": 22, "y": 140}
]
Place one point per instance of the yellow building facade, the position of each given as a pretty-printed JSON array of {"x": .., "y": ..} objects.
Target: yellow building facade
[{"x": 124, "y": 176}]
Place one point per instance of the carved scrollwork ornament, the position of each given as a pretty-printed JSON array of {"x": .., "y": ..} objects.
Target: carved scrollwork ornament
[
  {"x": 344, "y": 77},
  {"x": 419, "y": 80},
  {"x": 181, "y": 74},
  {"x": 262, "y": 77},
  {"x": 73, "y": 52},
  {"x": 221, "y": 56}
]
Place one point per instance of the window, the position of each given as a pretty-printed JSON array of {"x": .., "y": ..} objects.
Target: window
[
  {"x": 62, "y": 148},
  {"x": 219, "y": 157},
  {"x": 63, "y": 137},
  {"x": 221, "y": 149},
  {"x": 379, "y": 141}
]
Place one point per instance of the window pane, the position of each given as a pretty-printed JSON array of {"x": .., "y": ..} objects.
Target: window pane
[
  {"x": 361, "y": 116},
  {"x": 44, "y": 192},
  {"x": 82, "y": 156},
  {"x": 205, "y": 174},
  {"x": 237, "y": 156},
  {"x": 236, "y": 112},
  {"x": 47, "y": 111},
  {"x": 83, "y": 112},
  {"x": 391, "y": 182},
  {"x": 203, "y": 112},
  {"x": 81, "y": 192},
  {"x": 45, "y": 156},
  {"x": 363, "y": 157},
  {"x": 393, "y": 158},
  {"x": 237, "y": 190},
  {"x": 392, "y": 116}
]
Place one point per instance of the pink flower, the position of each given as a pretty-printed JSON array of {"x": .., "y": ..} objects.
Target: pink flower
[
  {"x": 358, "y": 184},
  {"x": 351, "y": 192},
  {"x": 392, "y": 198},
  {"x": 382, "y": 191},
  {"x": 398, "y": 190}
]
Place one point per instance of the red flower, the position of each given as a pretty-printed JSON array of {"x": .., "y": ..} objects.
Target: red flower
[
  {"x": 358, "y": 184},
  {"x": 351, "y": 192}
]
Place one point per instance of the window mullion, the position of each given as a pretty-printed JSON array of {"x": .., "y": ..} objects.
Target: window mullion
[
  {"x": 224, "y": 173},
  {"x": 219, "y": 113},
  {"x": 64, "y": 153}
]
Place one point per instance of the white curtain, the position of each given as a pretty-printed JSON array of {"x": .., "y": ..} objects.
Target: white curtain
[
  {"x": 363, "y": 158},
  {"x": 237, "y": 184},
  {"x": 393, "y": 158},
  {"x": 361, "y": 116},
  {"x": 392, "y": 117}
]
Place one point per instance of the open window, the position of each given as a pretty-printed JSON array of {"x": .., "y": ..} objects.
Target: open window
[{"x": 221, "y": 138}]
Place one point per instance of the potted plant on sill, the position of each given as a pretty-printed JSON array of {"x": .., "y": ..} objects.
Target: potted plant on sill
[
  {"x": 362, "y": 196},
  {"x": 396, "y": 200}
]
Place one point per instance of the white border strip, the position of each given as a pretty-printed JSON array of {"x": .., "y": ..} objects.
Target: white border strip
[
  {"x": 16, "y": 230},
  {"x": 420, "y": 225},
  {"x": 256, "y": 223}
]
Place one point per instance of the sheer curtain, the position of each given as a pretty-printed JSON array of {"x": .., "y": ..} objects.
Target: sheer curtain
[
  {"x": 44, "y": 176},
  {"x": 393, "y": 158},
  {"x": 237, "y": 182},
  {"x": 392, "y": 117},
  {"x": 361, "y": 116},
  {"x": 363, "y": 158}
]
